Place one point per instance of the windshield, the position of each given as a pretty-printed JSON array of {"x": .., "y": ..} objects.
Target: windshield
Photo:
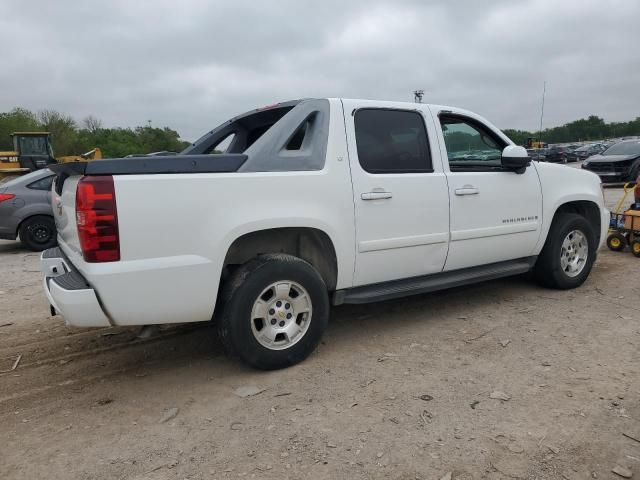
[
  {"x": 33, "y": 145},
  {"x": 624, "y": 148}
]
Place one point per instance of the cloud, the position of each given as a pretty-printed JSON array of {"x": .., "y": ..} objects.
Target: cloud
[{"x": 192, "y": 64}]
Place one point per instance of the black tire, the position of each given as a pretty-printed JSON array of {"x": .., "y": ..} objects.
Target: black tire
[
  {"x": 635, "y": 248},
  {"x": 243, "y": 289},
  {"x": 548, "y": 271},
  {"x": 616, "y": 241},
  {"x": 38, "y": 233}
]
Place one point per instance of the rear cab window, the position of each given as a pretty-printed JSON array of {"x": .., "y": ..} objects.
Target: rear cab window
[{"x": 392, "y": 141}]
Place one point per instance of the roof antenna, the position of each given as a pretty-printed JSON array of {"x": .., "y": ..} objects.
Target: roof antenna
[
  {"x": 417, "y": 95},
  {"x": 544, "y": 90}
]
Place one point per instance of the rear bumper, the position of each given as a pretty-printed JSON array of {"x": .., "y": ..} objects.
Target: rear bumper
[{"x": 69, "y": 293}]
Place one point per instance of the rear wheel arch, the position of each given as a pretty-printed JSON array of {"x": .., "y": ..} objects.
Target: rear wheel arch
[{"x": 310, "y": 244}]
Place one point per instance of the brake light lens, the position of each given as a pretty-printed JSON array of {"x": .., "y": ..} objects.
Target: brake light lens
[
  {"x": 97, "y": 219},
  {"x": 6, "y": 196}
]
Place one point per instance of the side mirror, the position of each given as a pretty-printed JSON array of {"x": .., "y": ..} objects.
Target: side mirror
[{"x": 515, "y": 158}]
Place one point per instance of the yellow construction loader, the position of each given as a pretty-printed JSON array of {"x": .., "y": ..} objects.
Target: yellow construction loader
[
  {"x": 33, "y": 151},
  {"x": 533, "y": 143}
]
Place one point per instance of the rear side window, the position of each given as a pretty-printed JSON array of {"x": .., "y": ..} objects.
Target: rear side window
[
  {"x": 223, "y": 145},
  {"x": 42, "y": 184},
  {"x": 392, "y": 141}
]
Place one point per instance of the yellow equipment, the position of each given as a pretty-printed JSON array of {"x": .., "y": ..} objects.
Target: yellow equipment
[
  {"x": 33, "y": 151},
  {"x": 533, "y": 143},
  {"x": 624, "y": 227},
  {"x": 95, "y": 154}
]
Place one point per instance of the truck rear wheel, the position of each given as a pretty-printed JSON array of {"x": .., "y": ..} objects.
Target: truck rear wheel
[
  {"x": 568, "y": 254},
  {"x": 276, "y": 308}
]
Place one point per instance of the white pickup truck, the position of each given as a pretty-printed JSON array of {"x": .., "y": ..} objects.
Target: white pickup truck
[{"x": 278, "y": 213}]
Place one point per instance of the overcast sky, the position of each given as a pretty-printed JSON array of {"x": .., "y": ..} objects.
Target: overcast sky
[{"x": 191, "y": 64}]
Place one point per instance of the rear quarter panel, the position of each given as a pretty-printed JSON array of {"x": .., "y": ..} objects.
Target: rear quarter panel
[{"x": 176, "y": 229}]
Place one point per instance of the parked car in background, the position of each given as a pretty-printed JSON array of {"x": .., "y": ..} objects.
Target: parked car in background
[
  {"x": 585, "y": 151},
  {"x": 557, "y": 154},
  {"x": 618, "y": 163},
  {"x": 538, "y": 154},
  {"x": 25, "y": 210}
]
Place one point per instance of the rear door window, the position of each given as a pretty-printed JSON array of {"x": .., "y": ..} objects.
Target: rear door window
[{"x": 392, "y": 141}]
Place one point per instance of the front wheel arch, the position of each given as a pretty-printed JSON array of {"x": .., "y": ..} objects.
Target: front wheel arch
[{"x": 585, "y": 208}]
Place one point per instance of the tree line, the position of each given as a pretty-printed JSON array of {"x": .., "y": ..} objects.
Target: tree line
[
  {"x": 72, "y": 138},
  {"x": 585, "y": 129}
]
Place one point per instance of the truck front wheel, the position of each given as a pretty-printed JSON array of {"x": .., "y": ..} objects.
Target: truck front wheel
[
  {"x": 276, "y": 308},
  {"x": 568, "y": 254}
]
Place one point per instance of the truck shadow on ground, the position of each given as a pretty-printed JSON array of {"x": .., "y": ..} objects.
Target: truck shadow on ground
[
  {"x": 84, "y": 357},
  {"x": 348, "y": 323}
]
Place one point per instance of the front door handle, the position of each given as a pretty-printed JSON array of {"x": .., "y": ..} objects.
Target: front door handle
[
  {"x": 467, "y": 190},
  {"x": 376, "y": 195}
]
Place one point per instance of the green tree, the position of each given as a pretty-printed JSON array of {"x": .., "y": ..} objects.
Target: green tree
[
  {"x": 63, "y": 129},
  {"x": 17, "y": 120}
]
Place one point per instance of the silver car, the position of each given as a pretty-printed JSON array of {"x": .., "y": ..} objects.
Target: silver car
[{"x": 25, "y": 210}]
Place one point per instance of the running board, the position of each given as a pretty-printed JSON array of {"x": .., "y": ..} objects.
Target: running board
[{"x": 431, "y": 283}]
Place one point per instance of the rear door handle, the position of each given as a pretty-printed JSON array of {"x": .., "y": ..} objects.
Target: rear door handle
[
  {"x": 376, "y": 195},
  {"x": 467, "y": 190}
]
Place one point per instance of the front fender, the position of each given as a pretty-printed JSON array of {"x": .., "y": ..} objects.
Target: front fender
[{"x": 562, "y": 185}]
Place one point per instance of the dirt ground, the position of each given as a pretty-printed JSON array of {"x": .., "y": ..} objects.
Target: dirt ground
[{"x": 400, "y": 389}]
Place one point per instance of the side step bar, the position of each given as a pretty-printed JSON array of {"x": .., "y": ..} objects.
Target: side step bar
[{"x": 431, "y": 283}]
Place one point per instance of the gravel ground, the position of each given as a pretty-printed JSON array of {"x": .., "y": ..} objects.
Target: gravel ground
[{"x": 499, "y": 380}]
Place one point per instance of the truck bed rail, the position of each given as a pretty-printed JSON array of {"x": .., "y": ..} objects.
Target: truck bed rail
[{"x": 220, "y": 163}]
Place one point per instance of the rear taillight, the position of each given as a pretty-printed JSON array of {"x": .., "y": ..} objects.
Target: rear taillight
[
  {"x": 6, "y": 196},
  {"x": 97, "y": 219}
]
